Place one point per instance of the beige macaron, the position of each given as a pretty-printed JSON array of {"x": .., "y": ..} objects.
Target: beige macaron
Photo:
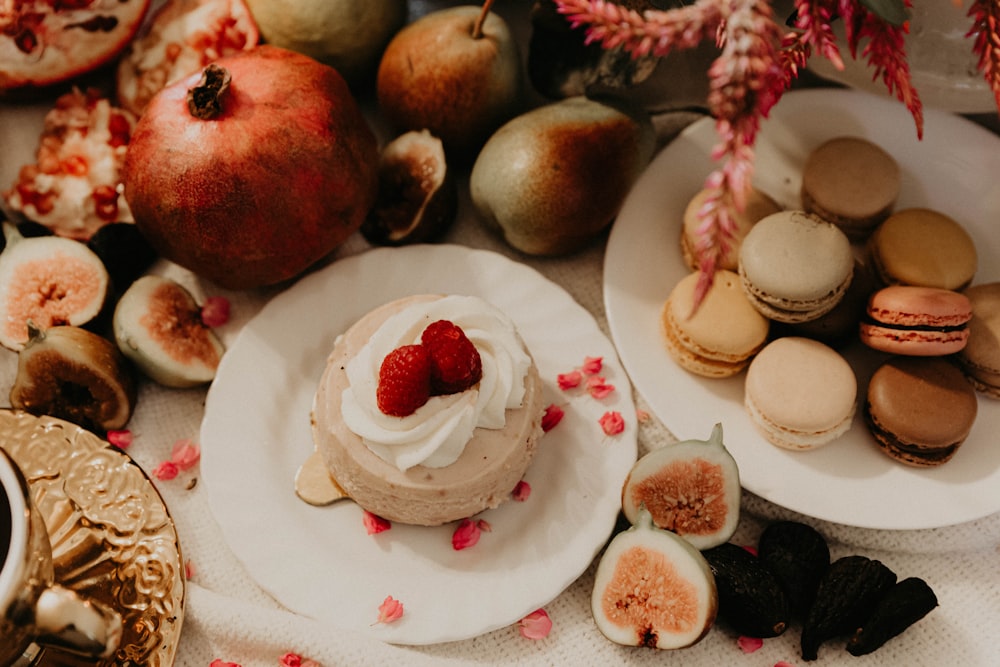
[
  {"x": 718, "y": 338},
  {"x": 758, "y": 206},
  {"x": 852, "y": 183},
  {"x": 800, "y": 393},
  {"x": 920, "y": 246}
]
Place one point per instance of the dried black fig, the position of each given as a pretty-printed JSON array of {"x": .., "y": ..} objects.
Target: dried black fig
[
  {"x": 799, "y": 556},
  {"x": 751, "y": 600},
  {"x": 906, "y": 603},
  {"x": 846, "y": 596}
]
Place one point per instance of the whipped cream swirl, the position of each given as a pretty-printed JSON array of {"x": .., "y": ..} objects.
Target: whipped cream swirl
[{"x": 436, "y": 434}]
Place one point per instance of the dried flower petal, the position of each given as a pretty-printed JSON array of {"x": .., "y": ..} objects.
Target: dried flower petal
[
  {"x": 466, "y": 535},
  {"x": 521, "y": 491},
  {"x": 536, "y": 625},
  {"x": 750, "y": 549},
  {"x": 223, "y": 663},
  {"x": 185, "y": 454},
  {"x": 390, "y": 610},
  {"x": 189, "y": 570},
  {"x": 552, "y": 416},
  {"x": 166, "y": 470},
  {"x": 782, "y": 663},
  {"x": 215, "y": 311},
  {"x": 484, "y": 526},
  {"x": 598, "y": 387},
  {"x": 120, "y": 439},
  {"x": 592, "y": 365},
  {"x": 749, "y": 644},
  {"x": 612, "y": 423},
  {"x": 375, "y": 524},
  {"x": 569, "y": 380},
  {"x": 295, "y": 660},
  {"x": 642, "y": 416}
]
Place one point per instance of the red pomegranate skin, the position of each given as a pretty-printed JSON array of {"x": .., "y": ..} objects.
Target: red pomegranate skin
[{"x": 254, "y": 196}]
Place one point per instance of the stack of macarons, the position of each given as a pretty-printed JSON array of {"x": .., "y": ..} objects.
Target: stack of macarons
[{"x": 799, "y": 285}]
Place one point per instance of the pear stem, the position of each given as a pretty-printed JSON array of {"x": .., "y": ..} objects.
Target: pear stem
[{"x": 477, "y": 30}]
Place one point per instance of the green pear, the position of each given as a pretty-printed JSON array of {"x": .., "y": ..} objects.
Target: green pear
[{"x": 553, "y": 178}]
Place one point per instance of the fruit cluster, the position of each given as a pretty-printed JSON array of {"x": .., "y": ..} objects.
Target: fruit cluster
[{"x": 444, "y": 362}]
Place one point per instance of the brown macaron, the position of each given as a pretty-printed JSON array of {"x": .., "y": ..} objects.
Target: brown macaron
[
  {"x": 852, "y": 183},
  {"x": 920, "y": 246},
  {"x": 920, "y": 409},
  {"x": 758, "y": 206},
  {"x": 980, "y": 358}
]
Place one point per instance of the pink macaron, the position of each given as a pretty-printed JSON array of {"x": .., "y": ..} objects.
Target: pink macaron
[{"x": 917, "y": 321}]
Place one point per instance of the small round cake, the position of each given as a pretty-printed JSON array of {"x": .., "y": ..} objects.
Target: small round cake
[{"x": 454, "y": 456}]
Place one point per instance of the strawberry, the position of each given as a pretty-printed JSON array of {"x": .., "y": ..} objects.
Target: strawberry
[
  {"x": 404, "y": 380},
  {"x": 455, "y": 361}
]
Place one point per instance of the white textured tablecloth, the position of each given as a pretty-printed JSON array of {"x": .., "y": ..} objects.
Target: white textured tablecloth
[{"x": 229, "y": 617}]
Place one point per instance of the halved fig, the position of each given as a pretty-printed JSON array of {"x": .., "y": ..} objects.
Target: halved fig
[
  {"x": 691, "y": 488},
  {"x": 182, "y": 37},
  {"x": 76, "y": 375},
  {"x": 417, "y": 194},
  {"x": 652, "y": 588},
  {"x": 157, "y": 324},
  {"x": 50, "y": 281}
]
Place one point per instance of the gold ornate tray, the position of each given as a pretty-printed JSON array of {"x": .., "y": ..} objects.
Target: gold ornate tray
[{"x": 113, "y": 539}]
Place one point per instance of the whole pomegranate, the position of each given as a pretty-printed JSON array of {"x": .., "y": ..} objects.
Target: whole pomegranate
[
  {"x": 252, "y": 169},
  {"x": 44, "y": 42}
]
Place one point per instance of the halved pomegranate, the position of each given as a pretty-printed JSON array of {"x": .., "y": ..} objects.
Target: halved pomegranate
[
  {"x": 74, "y": 187},
  {"x": 43, "y": 42},
  {"x": 183, "y": 37}
]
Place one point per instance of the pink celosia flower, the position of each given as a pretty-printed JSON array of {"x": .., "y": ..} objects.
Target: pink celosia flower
[
  {"x": 553, "y": 415},
  {"x": 535, "y": 625},
  {"x": 592, "y": 365},
  {"x": 521, "y": 491},
  {"x": 185, "y": 454},
  {"x": 749, "y": 644},
  {"x": 758, "y": 59},
  {"x": 390, "y": 610},
  {"x": 598, "y": 387},
  {"x": 166, "y": 470},
  {"x": 296, "y": 660},
  {"x": 466, "y": 535},
  {"x": 374, "y": 524},
  {"x": 569, "y": 380},
  {"x": 120, "y": 439},
  {"x": 612, "y": 423},
  {"x": 215, "y": 311}
]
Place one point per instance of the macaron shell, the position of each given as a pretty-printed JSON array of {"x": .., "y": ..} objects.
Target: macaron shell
[
  {"x": 919, "y": 246},
  {"x": 800, "y": 393},
  {"x": 980, "y": 358},
  {"x": 917, "y": 321},
  {"x": 717, "y": 338},
  {"x": 920, "y": 409},
  {"x": 852, "y": 183},
  {"x": 758, "y": 206},
  {"x": 795, "y": 266}
]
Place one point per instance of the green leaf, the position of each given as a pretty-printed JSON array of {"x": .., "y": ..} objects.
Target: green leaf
[{"x": 890, "y": 11}]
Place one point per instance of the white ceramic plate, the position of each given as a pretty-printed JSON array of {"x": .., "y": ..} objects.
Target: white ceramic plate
[
  {"x": 953, "y": 169},
  {"x": 319, "y": 561}
]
